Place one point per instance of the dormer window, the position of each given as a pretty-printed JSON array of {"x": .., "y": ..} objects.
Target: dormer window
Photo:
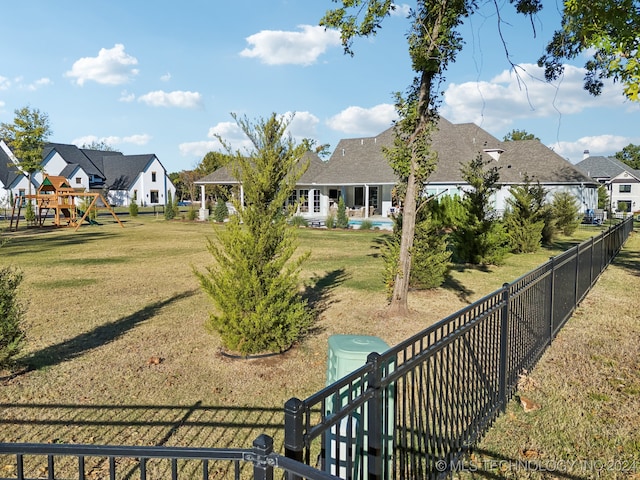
[{"x": 494, "y": 153}]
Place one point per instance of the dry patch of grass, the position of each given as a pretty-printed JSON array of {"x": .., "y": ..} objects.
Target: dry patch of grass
[{"x": 587, "y": 386}]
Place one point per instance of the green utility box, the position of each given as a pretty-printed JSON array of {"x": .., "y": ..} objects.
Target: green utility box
[{"x": 346, "y": 442}]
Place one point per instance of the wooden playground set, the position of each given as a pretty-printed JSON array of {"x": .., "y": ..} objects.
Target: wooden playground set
[{"x": 55, "y": 196}]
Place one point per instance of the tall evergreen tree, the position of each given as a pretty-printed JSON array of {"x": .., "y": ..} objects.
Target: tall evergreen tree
[
  {"x": 525, "y": 217},
  {"x": 254, "y": 280},
  {"x": 480, "y": 238}
]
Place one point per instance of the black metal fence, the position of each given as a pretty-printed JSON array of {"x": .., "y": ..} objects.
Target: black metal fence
[
  {"x": 56, "y": 461},
  {"x": 413, "y": 411},
  {"x": 410, "y": 412}
]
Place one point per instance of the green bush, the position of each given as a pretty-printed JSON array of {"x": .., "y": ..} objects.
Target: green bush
[
  {"x": 220, "y": 211},
  {"x": 254, "y": 280},
  {"x": 11, "y": 314},
  {"x": 430, "y": 257},
  {"x": 299, "y": 221},
  {"x": 566, "y": 212},
  {"x": 192, "y": 213},
  {"x": 330, "y": 221},
  {"x": 169, "y": 208},
  {"x": 133, "y": 206},
  {"x": 342, "y": 220},
  {"x": 366, "y": 224}
]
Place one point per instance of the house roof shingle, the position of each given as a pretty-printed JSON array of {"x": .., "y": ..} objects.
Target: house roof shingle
[{"x": 605, "y": 168}]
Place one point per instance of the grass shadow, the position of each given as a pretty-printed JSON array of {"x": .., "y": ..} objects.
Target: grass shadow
[
  {"x": 318, "y": 293},
  {"x": 109, "y": 332},
  {"x": 451, "y": 283}
]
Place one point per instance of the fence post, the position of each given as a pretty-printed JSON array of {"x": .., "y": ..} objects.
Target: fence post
[
  {"x": 504, "y": 348},
  {"x": 552, "y": 297},
  {"x": 262, "y": 447},
  {"x": 576, "y": 280},
  {"x": 375, "y": 419},
  {"x": 293, "y": 433}
]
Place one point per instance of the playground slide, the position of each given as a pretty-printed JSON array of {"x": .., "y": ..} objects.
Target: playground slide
[{"x": 89, "y": 220}]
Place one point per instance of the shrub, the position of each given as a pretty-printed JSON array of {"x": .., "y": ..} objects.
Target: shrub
[
  {"x": 192, "y": 213},
  {"x": 169, "y": 209},
  {"x": 11, "y": 314},
  {"x": 565, "y": 212},
  {"x": 299, "y": 221},
  {"x": 221, "y": 211},
  {"x": 133, "y": 206},
  {"x": 366, "y": 224},
  {"x": 342, "y": 220},
  {"x": 29, "y": 213},
  {"x": 430, "y": 258},
  {"x": 526, "y": 217},
  {"x": 254, "y": 281},
  {"x": 480, "y": 237},
  {"x": 330, "y": 221}
]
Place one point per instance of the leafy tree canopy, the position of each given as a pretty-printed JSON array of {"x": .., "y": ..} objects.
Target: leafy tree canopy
[
  {"x": 26, "y": 136},
  {"x": 100, "y": 145},
  {"x": 607, "y": 28},
  {"x": 515, "y": 135},
  {"x": 630, "y": 155}
]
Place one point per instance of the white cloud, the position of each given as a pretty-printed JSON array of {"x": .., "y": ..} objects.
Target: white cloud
[
  {"x": 42, "y": 82},
  {"x": 364, "y": 121},
  {"x": 5, "y": 83},
  {"x": 401, "y": 10},
  {"x": 277, "y": 47},
  {"x": 303, "y": 125},
  {"x": 508, "y": 97},
  {"x": 166, "y": 77},
  {"x": 113, "y": 141},
  {"x": 600, "y": 145},
  {"x": 111, "y": 67},
  {"x": 177, "y": 99},
  {"x": 199, "y": 149},
  {"x": 126, "y": 97}
]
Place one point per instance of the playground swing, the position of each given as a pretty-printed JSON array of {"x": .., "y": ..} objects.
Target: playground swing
[{"x": 55, "y": 194}]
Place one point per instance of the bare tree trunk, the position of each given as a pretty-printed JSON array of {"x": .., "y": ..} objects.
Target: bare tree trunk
[
  {"x": 399, "y": 300},
  {"x": 399, "y": 305}
]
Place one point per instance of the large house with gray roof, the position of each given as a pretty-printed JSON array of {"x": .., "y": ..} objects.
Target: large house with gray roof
[
  {"x": 622, "y": 181},
  {"x": 121, "y": 178},
  {"x": 359, "y": 172}
]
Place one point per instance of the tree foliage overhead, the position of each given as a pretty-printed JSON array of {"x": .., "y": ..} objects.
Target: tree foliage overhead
[
  {"x": 608, "y": 31},
  {"x": 630, "y": 155},
  {"x": 254, "y": 280}
]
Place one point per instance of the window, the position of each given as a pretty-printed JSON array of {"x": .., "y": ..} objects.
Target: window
[
  {"x": 293, "y": 198},
  {"x": 373, "y": 197},
  {"x": 304, "y": 199},
  {"x": 78, "y": 180},
  {"x": 153, "y": 176},
  {"x": 625, "y": 188},
  {"x": 316, "y": 201},
  {"x": 359, "y": 196},
  {"x": 154, "y": 196},
  {"x": 334, "y": 194}
]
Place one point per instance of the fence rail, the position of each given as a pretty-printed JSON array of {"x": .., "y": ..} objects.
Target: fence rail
[
  {"x": 410, "y": 412},
  {"x": 416, "y": 409}
]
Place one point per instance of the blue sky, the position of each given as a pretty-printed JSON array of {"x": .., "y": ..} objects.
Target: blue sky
[{"x": 164, "y": 77}]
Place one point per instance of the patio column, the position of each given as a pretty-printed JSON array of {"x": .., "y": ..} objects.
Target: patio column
[
  {"x": 366, "y": 201},
  {"x": 203, "y": 202}
]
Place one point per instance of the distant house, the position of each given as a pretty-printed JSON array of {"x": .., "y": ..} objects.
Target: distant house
[
  {"x": 359, "y": 172},
  {"x": 119, "y": 177},
  {"x": 622, "y": 181},
  {"x": 12, "y": 181}
]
